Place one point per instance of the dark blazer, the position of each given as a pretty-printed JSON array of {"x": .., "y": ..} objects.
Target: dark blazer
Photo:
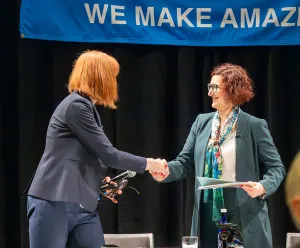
[
  {"x": 77, "y": 155},
  {"x": 257, "y": 159}
]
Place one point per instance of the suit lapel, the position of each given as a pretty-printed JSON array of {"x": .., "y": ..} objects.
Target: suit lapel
[
  {"x": 239, "y": 139},
  {"x": 95, "y": 111},
  {"x": 203, "y": 138},
  {"x": 200, "y": 150}
]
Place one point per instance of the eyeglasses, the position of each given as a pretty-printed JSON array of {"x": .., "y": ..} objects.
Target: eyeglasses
[{"x": 214, "y": 87}]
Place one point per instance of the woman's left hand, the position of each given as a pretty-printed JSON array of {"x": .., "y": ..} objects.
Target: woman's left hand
[{"x": 254, "y": 189}]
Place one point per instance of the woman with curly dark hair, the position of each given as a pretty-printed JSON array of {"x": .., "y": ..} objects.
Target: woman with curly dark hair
[{"x": 231, "y": 145}]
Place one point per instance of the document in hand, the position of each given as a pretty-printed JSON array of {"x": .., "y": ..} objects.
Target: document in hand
[{"x": 213, "y": 183}]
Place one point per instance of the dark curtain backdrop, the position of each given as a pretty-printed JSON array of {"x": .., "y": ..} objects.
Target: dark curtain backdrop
[{"x": 162, "y": 89}]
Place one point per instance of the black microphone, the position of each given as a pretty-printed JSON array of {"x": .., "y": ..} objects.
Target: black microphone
[
  {"x": 117, "y": 179},
  {"x": 238, "y": 134},
  {"x": 124, "y": 175}
]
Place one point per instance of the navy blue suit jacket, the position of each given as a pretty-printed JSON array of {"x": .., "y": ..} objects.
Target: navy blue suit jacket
[{"x": 77, "y": 155}]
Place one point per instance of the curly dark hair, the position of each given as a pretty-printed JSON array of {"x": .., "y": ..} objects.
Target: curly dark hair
[{"x": 237, "y": 82}]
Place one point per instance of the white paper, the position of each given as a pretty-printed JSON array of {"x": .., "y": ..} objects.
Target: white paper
[{"x": 212, "y": 183}]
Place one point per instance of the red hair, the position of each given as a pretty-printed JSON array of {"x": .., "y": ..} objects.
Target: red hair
[
  {"x": 237, "y": 83},
  {"x": 94, "y": 74}
]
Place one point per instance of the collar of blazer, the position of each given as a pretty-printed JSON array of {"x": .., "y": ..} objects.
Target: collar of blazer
[
  {"x": 242, "y": 123},
  {"x": 84, "y": 96},
  {"x": 95, "y": 111}
]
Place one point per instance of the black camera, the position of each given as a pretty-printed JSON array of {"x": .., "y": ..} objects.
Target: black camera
[{"x": 230, "y": 235}]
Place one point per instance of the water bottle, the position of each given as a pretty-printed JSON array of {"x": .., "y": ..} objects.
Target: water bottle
[
  {"x": 222, "y": 221},
  {"x": 223, "y": 215}
]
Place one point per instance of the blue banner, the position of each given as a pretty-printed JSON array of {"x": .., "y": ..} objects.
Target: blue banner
[{"x": 172, "y": 22}]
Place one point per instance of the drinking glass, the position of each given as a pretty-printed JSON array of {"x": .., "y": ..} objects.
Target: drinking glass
[{"x": 189, "y": 242}]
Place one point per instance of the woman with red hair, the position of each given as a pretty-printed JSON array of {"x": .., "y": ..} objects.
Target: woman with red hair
[
  {"x": 231, "y": 145},
  {"x": 63, "y": 193}
]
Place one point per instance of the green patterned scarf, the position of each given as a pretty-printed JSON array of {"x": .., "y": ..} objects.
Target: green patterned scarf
[{"x": 214, "y": 159}]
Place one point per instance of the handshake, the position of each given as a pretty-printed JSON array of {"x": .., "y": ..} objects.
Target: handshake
[{"x": 158, "y": 168}]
